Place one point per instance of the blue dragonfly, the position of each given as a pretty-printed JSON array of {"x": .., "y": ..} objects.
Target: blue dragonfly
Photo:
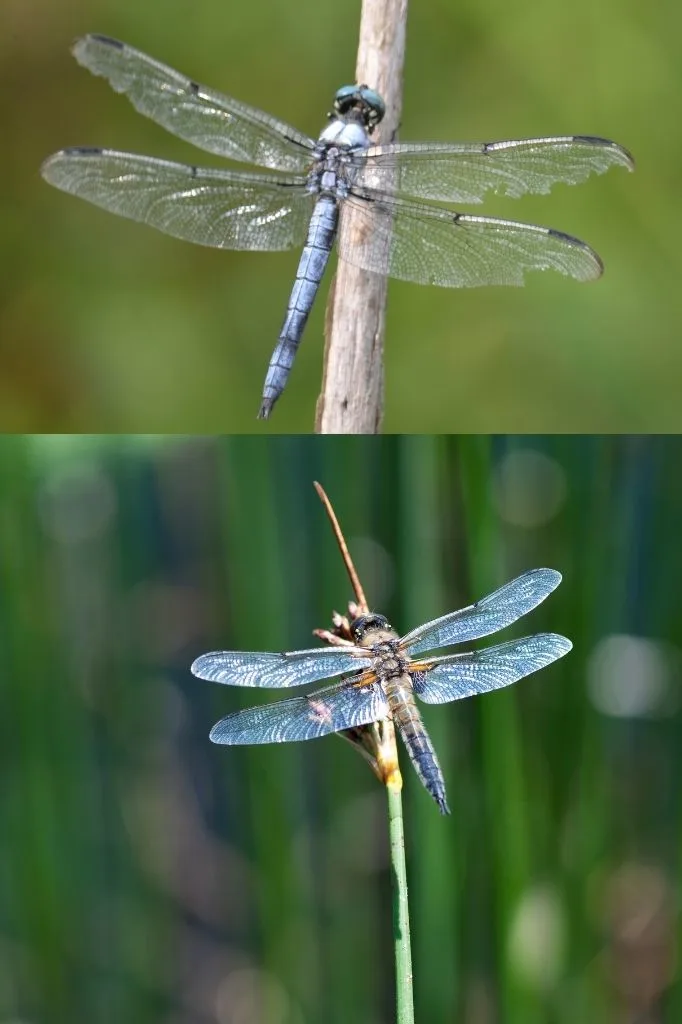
[
  {"x": 340, "y": 174},
  {"x": 384, "y": 672}
]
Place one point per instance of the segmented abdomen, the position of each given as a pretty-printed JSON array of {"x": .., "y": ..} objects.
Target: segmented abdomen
[
  {"x": 321, "y": 234},
  {"x": 409, "y": 724}
]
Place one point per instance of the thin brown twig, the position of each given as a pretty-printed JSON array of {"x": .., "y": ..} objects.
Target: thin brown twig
[
  {"x": 345, "y": 553},
  {"x": 351, "y": 400}
]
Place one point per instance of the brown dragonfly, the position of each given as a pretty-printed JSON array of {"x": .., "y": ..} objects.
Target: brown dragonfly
[{"x": 383, "y": 673}]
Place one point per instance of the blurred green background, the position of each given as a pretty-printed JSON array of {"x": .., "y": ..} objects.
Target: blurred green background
[
  {"x": 108, "y": 325},
  {"x": 147, "y": 875}
]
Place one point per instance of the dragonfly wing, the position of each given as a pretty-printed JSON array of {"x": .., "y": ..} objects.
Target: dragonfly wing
[
  {"x": 226, "y": 209},
  {"x": 289, "y": 668},
  {"x": 428, "y": 245},
  {"x": 486, "y": 616},
  {"x": 331, "y": 709},
  {"x": 462, "y": 172},
  {"x": 462, "y": 675},
  {"x": 202, "y": 116}
]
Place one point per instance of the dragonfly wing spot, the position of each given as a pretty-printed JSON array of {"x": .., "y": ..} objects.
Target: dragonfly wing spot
[{"x": 318, "y": 712}]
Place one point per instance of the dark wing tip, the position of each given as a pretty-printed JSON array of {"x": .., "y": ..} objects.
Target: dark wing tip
[
  {"x": 87, "y": 49},
  {"x": 594, "y": 267},
  {"x": 81, "y": 151},
  {"x": 52, "y": 162},
  {"x": 625, "y": 157},
  {"x": 107, "y": 40}
]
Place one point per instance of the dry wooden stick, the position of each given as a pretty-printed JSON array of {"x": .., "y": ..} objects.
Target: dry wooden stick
[{"x": 351, "y": 401}]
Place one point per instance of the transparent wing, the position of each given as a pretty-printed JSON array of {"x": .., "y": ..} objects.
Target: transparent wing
[
  {"x": 303, "y": 718},
  {"x": 289, "y": 668},
  {"x": 462, "y": 675},
  {"x": 428, "y": 245},
  {"x": 226, "y": 209},
  {"x": 486, "y": 616},
  {"x": 202, "y": 116},
  {"x": 462, "y": 172}
]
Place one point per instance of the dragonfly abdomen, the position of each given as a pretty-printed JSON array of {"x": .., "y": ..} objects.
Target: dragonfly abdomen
[
  {"x": 311, "y": 267},
  {"x": 409, "y": 724}
]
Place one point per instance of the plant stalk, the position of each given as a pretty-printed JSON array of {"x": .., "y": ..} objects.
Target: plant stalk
[
  {"x": 376, "y": 742},
  {"x": 401, "y": 914}
]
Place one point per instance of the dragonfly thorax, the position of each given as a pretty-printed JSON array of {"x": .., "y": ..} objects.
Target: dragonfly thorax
[
  {"x": 333, "y": 170},
  {"x": 376, "y": 634},
  {"x": 342, "y": 135},
  {"x": 388, "y": 663}
]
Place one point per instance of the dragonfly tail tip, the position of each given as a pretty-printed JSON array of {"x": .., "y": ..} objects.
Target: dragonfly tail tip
[{"x": 442, "y": 805}]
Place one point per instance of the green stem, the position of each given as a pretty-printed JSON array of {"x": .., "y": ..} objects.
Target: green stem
[{"x": 401, "y": 914}]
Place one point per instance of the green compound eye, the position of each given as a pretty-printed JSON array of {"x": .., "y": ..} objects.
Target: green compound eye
[
  {"x": 366, "y": 100},
  {"x": 374, "y": 101},
  {"x": 344, "y": 96}
]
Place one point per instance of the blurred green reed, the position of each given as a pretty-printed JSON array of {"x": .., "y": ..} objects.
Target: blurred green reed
[{"x": 148, "y": 875}]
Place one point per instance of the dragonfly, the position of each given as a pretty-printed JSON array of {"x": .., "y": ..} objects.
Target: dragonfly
[
  {"x": 322, "y": 183},
  {"x": 384, "y": 672}
]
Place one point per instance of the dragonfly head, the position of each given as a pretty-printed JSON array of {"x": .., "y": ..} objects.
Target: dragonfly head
[
  {"x": 365, "y": 624},
  {"x": 360, "y": 101}
]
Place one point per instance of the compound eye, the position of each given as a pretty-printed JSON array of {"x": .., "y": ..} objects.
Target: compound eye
[
  {"x": 359, "y": 626},
  {"x": 362, "y": 625},
  {"x": 345, "y": 98},
  {"x": 372, "y": 99}
]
